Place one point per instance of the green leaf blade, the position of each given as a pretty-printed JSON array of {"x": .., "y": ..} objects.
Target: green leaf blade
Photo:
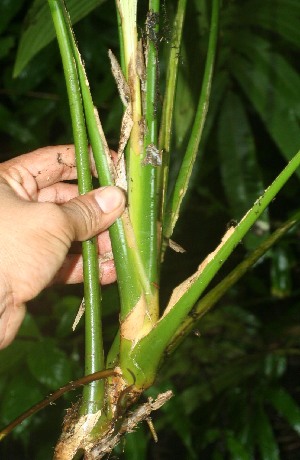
[
  {"x": 39, "y": 30},
  {"x": 278, "y": 17},
  {"x": 283, "y": 402},
  {"x": 266, "y": 441},
  {"x": 239, "y": 168},
  {"x": 49, "y": 365},
  {"x": 265, "y": 79}
]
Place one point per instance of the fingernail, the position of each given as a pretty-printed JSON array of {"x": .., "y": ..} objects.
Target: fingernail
[{"x": 109, "y": 199}]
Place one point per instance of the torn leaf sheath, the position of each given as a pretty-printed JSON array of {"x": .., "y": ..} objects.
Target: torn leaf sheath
[
  {"x": 185, "y": 286},
  {"x": 137, "y": 323},
  {"x": 121, "y": 82},
  {"x": 125, "y": 131},
  {"x": 127, "y": 120}
]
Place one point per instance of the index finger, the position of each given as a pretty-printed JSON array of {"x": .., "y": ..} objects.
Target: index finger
[{"x": 48, "y": 165}]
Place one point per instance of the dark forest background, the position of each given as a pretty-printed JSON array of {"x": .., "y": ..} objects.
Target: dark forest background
[{"x": 237, "y": 376}]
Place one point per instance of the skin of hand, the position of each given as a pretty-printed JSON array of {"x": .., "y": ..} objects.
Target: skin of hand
[{"x": 41, "y": 218}]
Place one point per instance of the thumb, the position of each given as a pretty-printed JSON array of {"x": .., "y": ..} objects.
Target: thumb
[{"x": 91, "y": 214}]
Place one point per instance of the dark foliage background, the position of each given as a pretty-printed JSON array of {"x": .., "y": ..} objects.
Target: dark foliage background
[{"x": 236, "y": 378}]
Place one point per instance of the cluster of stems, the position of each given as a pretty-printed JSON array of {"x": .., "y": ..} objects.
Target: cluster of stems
[
  {"x": 140, "y": 237},
  {"x": 148, "y": 331}
]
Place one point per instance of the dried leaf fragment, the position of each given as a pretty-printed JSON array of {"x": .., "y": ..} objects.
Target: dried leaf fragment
[
  {"x": 184, "y": 287},
  {"x": 77, "y": 438},
  {"x": 176, "y": 247},
  {"x": 153, "y": 156},
  {"x": 79, "y": 314},
  {"x": 130, "y": 422},
  {"x": 122, "y": 84},
  {"x": 132, "y": 326}
]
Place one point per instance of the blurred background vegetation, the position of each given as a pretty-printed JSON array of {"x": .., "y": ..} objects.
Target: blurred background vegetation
[{"x": 236, "y": 378}]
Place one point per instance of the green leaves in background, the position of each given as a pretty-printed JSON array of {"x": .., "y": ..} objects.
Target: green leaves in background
[
  {"x": 20, "y": 395},
  {"x": 236, "y": 449},
  {"x": 14, "y": 355},
  {"x": 234, "y": 371},
  {"x": 66, "y": 310},
  {"x": 287, "y": 407},
  {"x": 266, "y": 441},
  {"x": 275, "y": 16},
  {"x": 281, "y": 271},
  {"x": 34, "y": 364},
  {"x": 8, "y": 9},
  {"x": 10, "y": 125},
  {"x": 272, "y": 86},
  {"x": 239, "y": 168},
  {"x": 49, "y": 365},
  {"x": 136, "y": 444},
  {"x": 6, "y": 44},
  {"x": 39, "y": 30},
  {"x": 217, "y": 374}
]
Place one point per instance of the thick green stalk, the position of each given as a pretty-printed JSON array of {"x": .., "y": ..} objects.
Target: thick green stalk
[
  {"x": 125, "y": 254},
  {"x": 149, "y": 227},
  {"x": 187, "y": 294},
  {"x": 168, "y": 105},
  {"x": 182, "y": 182},
  {"x": 133, "y": 283},
  {"x": 141, "y": 190},
  {"x": 214, "y": 295},
  {"x": 94, "y": 357},
  {"x": 134, "y": 151},
  {"x": 127, "y": 13}
]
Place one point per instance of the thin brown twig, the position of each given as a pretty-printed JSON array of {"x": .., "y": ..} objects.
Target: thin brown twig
[{"x": 53, "y": 396}]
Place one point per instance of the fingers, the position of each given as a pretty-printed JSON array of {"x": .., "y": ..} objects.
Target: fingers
[
  {"x": 58, "y": 193},
  {"x": 71, "y": 271},
  {"x": 90, "y": 214},
  {"x": 47, "y": 165},
  {"x": 103, "y": 243}
]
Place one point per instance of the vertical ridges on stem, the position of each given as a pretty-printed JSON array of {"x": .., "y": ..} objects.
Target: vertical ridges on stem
[
  {"x": 132, "y": 281},
  {"x": 150, "y": 228},
  {"x": 141, "y": 172},
  {"x": 93, "y": 395}
]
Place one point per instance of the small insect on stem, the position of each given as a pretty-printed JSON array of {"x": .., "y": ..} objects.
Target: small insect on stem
[{"x": 155, "y": 285}]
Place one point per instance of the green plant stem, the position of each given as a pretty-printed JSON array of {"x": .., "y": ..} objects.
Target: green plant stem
[
  {"x": 157, "y": 340},
  {"x": 134, "y": 150},
  {"x": 127, "y": 19},
  {"x": 125, "y": 253},
  {"x": 214, "y": 295},
  {"x": 121, "y": 41},
  {"x": 148, "y": 229},
  {"x": 182, "y": 182},
  {"x": 131, "y": 276},
  {"x": 94, "y": 357},
  {"x": 141, "y": 315},
  {"x": 134, "y": 286},
  {"x": 168, "y": 104}
]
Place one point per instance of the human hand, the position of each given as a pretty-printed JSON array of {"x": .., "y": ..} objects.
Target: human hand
[{"x": 41, "y": 216}]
